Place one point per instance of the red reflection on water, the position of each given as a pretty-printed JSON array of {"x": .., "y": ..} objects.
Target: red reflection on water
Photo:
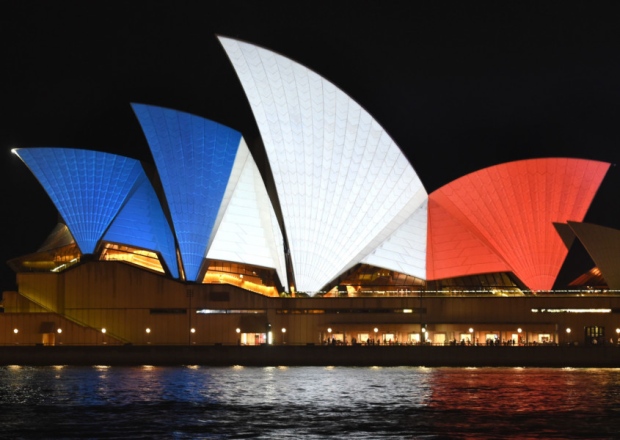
[{"x": 515, "y": 390}]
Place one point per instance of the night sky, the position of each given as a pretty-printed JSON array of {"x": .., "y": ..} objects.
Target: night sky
[{"x": 459, "y": 86}]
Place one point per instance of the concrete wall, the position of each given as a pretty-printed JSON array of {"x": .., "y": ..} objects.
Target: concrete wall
[
  {"x": 126, "y": 300},
  {"x": 427, "y": 356}
]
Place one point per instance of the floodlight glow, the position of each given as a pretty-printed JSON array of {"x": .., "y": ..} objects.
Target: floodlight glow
[{"x": 344, "y": 186}]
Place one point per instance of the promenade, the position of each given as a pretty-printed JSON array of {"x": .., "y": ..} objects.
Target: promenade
[{"x": 315, "y": 355}]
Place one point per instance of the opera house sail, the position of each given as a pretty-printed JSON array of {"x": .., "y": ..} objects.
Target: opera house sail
[
  {"x": 103, "y": 196},
  {"x": 501, "y": 219},
  {"x": 198, "y": 250},
  {"x": 218, "y": 204},
  {"x": 347, "y": 192}
]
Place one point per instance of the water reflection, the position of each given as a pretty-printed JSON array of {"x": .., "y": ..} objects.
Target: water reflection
[
  {"x": 309, "y": 402},
  {"x": 537, "y": 403}
]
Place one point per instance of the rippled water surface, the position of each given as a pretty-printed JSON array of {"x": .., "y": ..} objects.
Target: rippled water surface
[{"x": 309, "y": 402}]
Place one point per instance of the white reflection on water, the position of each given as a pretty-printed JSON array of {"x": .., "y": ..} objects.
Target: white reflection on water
[{"x": 309, "y": 402}]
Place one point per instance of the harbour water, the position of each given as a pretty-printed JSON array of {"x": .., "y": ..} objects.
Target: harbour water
[{"x": 196, "y": 402}]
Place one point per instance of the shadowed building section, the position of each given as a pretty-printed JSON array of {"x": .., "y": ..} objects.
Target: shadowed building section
[
  {"x": 603, "y": 245},
  {"x": 566, "y": 234},
  {"x": 502, "y": 218},
  {"x": 59, "y": 237},
  {"x": 348, "y": 194}
]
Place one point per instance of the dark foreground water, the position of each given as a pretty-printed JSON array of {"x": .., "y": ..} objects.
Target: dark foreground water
[{"x": 309, "y": 403}]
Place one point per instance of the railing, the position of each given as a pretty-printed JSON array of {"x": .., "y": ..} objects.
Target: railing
[
  {"x": 74, "y": 320},
  {"x": 463, "y": 293}
]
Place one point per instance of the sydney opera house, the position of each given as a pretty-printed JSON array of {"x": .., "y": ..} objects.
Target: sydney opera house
[{"x": 333, "y": 239}]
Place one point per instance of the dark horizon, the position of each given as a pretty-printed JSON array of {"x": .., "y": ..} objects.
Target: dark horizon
[{"x": 458, "y": 87}]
